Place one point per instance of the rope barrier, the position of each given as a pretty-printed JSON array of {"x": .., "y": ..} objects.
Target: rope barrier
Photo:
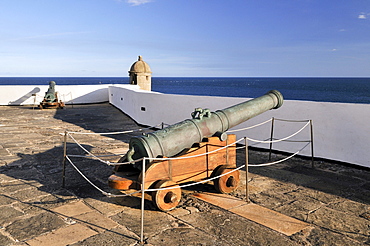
[
  {"x": 147, "y": 190},
  {"x": 250, "y": 127},
  {"x": 90, "y": 155},
  {"x": 143, "y": 190},
  {"x": 187, "y": 157},
  {"x": 181, "y": 186}
]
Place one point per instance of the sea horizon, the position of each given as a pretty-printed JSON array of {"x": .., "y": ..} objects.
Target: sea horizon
[{"x": 326, "y": 89}]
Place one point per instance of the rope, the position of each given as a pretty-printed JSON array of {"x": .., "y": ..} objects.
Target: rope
[
  {"x": 282, "y": 139},
  {"x": 250, "y": 127},
  {"x": 95, "y": 186},
  {"x": 199, "y": 182},
  {"x": 97, "y": 158},
  {"x": 112, "y": 133},
  {"x": 66, "y": 94},
  {"x": 37, "y": 95},
  {"x": 187, "y": 157},
  {"x": 279, "y": 161},
  {"x": 291, "y": 120},
  {"x": 95, "y": 155},
  {"x": 105, "y": 133}
]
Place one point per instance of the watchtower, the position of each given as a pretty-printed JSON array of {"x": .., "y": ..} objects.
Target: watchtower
[{"x": 140, "y": 74}]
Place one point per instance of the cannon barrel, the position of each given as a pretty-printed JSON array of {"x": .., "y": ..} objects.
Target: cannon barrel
[
  {"x": 50, "y": 94},
  {"x": 175, "y": 138}
]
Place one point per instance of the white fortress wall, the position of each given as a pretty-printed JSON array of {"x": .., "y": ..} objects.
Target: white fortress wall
[
  {"x": 78, "y": 94},
  {"x": 341, "y": 130}
]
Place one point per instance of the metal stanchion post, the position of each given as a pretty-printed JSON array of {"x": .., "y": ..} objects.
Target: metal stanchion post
[
  {"x": 71, "y": 99},
  {"x": 64, "y": 159},
  {"x": 246, "y": 170},
  {"x": 34, "y": 101},
  {"x": 312, "y": 154},
  {"x": 142, "y": 202},
  {"x": 271, "y": 136}
]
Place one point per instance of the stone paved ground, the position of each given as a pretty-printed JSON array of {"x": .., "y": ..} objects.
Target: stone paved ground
[{"x": 35, "y": 210}]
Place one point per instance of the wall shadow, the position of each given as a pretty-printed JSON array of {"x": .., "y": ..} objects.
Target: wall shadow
[{"x": 95, "y": 96}]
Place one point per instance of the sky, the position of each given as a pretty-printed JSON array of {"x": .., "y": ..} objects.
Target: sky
[{"x": 185, "y": 38}]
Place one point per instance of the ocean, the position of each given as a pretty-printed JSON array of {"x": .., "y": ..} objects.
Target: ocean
[{"x": 344, "y": 90}]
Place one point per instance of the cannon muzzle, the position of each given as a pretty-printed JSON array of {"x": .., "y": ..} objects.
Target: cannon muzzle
[{"x": 175, "y": 138}]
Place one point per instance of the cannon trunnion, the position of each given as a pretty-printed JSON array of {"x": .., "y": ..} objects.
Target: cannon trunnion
[{"x": 201, "y": 134}]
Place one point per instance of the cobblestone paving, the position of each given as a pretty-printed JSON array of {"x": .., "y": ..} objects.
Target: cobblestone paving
[{"x": 35, "y": 210}]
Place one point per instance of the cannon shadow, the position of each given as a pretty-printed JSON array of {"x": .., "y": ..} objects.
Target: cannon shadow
[{"x": 25, "y": 97}]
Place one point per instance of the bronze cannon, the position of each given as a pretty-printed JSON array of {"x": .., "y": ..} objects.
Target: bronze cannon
[
  {"x": 192, "y": 137},
  {"x": 51, "y": 98}
]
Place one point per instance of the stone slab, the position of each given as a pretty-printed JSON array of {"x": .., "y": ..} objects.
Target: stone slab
[
  {"x": 117, "y": 236},
  {"x": 63, "y": 236},
  {"x": 4, "y": 240},
  {"x": 118, "y": 151},
  {"x": 12, "y": 187},
  {"x": 96, "y": 221},
  {"x": 8, "y": 213},
  {"x": 107, "y": 205},
  {"x": 72, "y": 209},
  {"x": 24, "y": 229},
  {"x": 269, "y": 218}
]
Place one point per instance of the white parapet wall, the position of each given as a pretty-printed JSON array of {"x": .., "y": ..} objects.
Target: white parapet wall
[
  {"x": 34, "y": 94},
  {"x": 340, "y": 130}
]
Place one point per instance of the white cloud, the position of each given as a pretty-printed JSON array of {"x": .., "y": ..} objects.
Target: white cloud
[
  {"x": 138, "y": 2},
  {"x": 363, "y": 15}
]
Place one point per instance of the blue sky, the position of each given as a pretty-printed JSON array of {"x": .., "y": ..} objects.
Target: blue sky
[{"x": 189, "y": 38}]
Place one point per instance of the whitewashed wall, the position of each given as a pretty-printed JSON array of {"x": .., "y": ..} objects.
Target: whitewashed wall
[
  {"x": 341, "y": 130},
  {"x": 22, "y": 94}
]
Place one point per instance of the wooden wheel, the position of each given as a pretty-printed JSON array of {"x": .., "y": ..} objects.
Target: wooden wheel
[
  {"x": 166, "y": 200},
  {"x": 227, "y": 183}
]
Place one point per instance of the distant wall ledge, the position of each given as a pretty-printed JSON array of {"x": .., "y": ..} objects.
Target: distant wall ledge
[
  {"x": 340, "y": 129},
  {"x": 69, "y": 94}
]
